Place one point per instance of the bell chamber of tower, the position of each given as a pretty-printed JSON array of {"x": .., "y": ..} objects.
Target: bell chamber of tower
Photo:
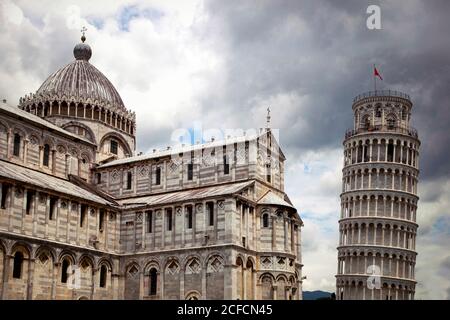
[{"x": 377, "y": 226}]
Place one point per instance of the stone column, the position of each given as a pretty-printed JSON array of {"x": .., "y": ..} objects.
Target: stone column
[
  {"x": 25, "y": 150},
  {"x": 141, "y": 285},
  {"x": 41, "y": 156},
  {"x": 274, "y": 232},
  {"x": 54, "y": 161},
  {"x": 204, "y": 282},
  {"x": 4, "y": 293},
  {"x": 9, "y": 135},
  {"x": 57, "y": 213},
  {"x": 68, "y": 213},
  {"x": 55, "y": 279}
]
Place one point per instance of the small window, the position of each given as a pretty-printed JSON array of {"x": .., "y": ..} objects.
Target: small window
[
  {"x": 114, "y": 147},
  {"x": 210, "y": 208},
  {"x": 29, "y": 204},
  {"x": 52, "y": 208},
  {"x": 129, "y": 180},
  {"x": 391, "y": 123},
  {"x": 103, "y": 275},
  {"x": 99, "y": 177},
  {"x": 16, "y": 151},
  {"x": 158, "y": 176},
  {"x": 189, "y": 217},
  {"x": 243, "y": 241},
  {"x": 5, "y": 190},
  {"x": 268, "y": 173},
  {"x": 366, "y": 123},
  {"x": 101, "y": 224},
  {"x": 169, "y": 219},
  {"x": 64, "y": 270},
  {"x": 153, "y": 281},
  {"x": 226, "y": 165},
  {"x": 83, "y": 215},
  {"x": 149, "y": 221},
  {"x": 17, "y": 268},
  {"x": 190, "y": 173},
  {"x": 390, "y": 154},
  {"x": 404, "y": 113},
  {"x": 46, "y": 159},
  {"x": 265, "y": 220},
  {"x": 378, "y": 112}
]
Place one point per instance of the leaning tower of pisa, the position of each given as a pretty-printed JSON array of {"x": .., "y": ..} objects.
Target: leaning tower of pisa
[{"x": 377, "y": 226}]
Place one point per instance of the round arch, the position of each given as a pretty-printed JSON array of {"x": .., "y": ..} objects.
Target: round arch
[
  {"x": 83, "y": 126},
  {"x": 118, "y": 137}
]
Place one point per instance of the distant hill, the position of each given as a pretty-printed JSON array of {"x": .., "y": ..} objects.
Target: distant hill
[{"x": 316, "y": 295}]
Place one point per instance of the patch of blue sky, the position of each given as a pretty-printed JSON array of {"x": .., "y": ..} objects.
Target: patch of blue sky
[
  {"x": 97, "y": 22},
  {"x": 129, "y": 13},
  {"x": 441, "y": 226},
  {"x": 319, "y": 218}
]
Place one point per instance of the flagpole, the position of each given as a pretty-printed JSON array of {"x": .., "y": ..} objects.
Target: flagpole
[{"x": 374, "y": 79}]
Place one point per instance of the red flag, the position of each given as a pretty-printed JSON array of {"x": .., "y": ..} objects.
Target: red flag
[{"x": 376, "y": 73}]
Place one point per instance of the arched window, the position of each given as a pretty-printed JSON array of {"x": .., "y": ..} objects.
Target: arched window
[
  {"x": 153, "y": 281},
  {"x": 114, "y": 147},
  {"x": 404, "y": 113},
  {"x": 378, "y": 111},
  {"x": 46, "y": 159},
  {"x": 16, "y": 151},
  {"x": 189, "y": 217},
  {"x": 265, "y": 220},
  {"x": 64, "y": 269},
  {"x": 158, "y": 176},
  {"x": 391, "y": 122},
  {"x": 365, "y": 122},
  {"x": 17, "y": 268},
  {"x": 129, "y": 180},
  {"x": 101, "y": 224},
  {"x": 103, "y": 274}
]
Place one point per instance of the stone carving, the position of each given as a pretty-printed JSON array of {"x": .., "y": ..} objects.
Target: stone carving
[
  {"x": 193, "y": 266},
  {"x": 215, "y": 264},
  {"x": 143, "y": 171},
  {"x": 115, "y": 175},
  {"x": 173, "y": 268}
]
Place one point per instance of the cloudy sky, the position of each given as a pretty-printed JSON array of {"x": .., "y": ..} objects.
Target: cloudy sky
[{"x": 219, "y": 64}]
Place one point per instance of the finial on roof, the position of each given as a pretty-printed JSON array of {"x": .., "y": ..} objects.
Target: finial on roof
[
  {"x": 82, "y": 51},
  {"x": 83, "y": 36},
  {"x": 268, "y": 117}
]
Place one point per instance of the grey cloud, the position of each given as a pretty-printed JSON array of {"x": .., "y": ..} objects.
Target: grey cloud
[{"x": 327, "y": 55}]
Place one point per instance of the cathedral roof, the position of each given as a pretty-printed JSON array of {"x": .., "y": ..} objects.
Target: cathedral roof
[
  {"x": 80, "y": 81},
  {"x": 48, "y": 182},
  {"x": 16, "y": 112},
  {"x": 189, "y": 148},
  {"x": 186, "y": 195},
  {"x": 270, "y": 198}
]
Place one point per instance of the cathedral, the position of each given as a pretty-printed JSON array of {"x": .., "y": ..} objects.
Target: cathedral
[{"x": 83, "y": 216}]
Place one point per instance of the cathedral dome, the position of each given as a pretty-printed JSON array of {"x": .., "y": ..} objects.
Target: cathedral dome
[{"x": 80, "y": 81}]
